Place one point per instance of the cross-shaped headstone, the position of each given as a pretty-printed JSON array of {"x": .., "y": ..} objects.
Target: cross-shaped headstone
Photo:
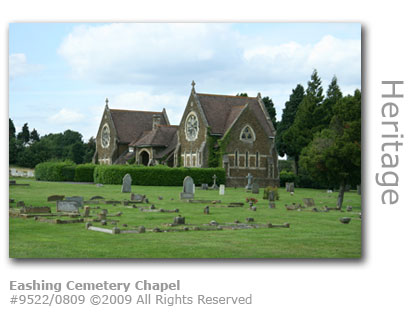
[{"x": 249, "y": 178}]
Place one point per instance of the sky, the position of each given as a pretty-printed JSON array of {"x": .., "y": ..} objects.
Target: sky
[{"x": 61, "y": 73}]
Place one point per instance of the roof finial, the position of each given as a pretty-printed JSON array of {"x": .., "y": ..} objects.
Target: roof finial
[
  {"x": 193, "y": 85},
  {"x": 106, "y": 102}
]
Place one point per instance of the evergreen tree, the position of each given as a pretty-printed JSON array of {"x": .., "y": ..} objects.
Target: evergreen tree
[
  {"x": 307, "y": 121},
  {"x": 269, "y": 104},
  {"x": 12, "y": 129},
  {"x": 24, "y": 135},
  {"x": 242, "y": 94},
  {"x": 34, "y": 137},
  {"x": 288, "y": 117},
  {"x": 90, "y": 148},
  {"x": 334, "y": 155}
]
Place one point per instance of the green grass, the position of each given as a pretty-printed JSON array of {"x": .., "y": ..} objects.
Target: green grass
[{"x": 311, "y": 234}]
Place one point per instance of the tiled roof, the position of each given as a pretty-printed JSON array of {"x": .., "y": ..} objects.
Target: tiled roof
[
  {"x": 161, "y": 136},
  {"x": 131, "y": 124},
  {"x": 222, "y": 110}
]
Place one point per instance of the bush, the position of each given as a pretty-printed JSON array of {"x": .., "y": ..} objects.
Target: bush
[
  {"x": 286, "y": 176},
  {"x": 84, "y": 172},
  {"x": 157, "y": 175},
  {"x": 286, "y": 165},
  {"x": 55, "y": 171},
  {"x": 267, "y": 190}
]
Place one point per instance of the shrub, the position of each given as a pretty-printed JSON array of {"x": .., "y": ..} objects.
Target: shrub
[
  {"x": 55, "y": 171},
  {"x": 286, "y": 176},
  {"x": 157, "y": 175},
  {"x": 84, "y": 172},
  {"x": 267, "y": 190}
]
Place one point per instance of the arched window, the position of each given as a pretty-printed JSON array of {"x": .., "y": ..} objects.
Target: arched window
[
  {"x": 236, "y": 158},
  {"x": 247, "y": 159},
  {"x": 247, "y": 134},
  {"x": 257, "y": 159}
]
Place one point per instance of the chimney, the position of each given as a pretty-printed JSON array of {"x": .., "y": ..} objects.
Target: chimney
[{"x": 155, "y": 121}]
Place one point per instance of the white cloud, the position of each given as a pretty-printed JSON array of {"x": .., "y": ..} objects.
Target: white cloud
[
  {"x": 19, "y": 66},
  {"x": 66, "y": 116}
]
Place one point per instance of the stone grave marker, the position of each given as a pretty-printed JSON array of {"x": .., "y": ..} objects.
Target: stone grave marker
[
  {"x": 221, "y": 190},
  {"x": 97, "y": 198},
  {"x": 309, "y": 202},
  {"x": 188, "y": 187},
  {"x": 179, "y": 220},
  {"x": 20, "y": 204},
  {"x": 87, "y": 211},
  {"x": 126, "y": 183},
  {"x": 214, "y": 186},
  {"x": 255, "y": 188},
  {"x": 271, "y": 196},
  {"x": 67, "y": 206},
  {"x": 205, "y": 186},
  {"x": 137, "y": 197},
  {"x": 206, "y": 210},
  {"x": 272, "y": 205},
  {"x": 249, "y": 185},
  {"x": 289, "y": 186},
  {"x": 55, "y": 197},
  {"x": 79, "y": 200},
  {"x": 194, "y": 188}
]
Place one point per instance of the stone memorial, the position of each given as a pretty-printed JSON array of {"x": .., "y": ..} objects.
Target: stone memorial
[
  {"x": 309, "y": 202},
  {"x": 345, "y": 220},
  {"x": 20, "y": 204},
  {"x": 249, "y": 185},
  {"x": 79, "y": 200},
  {"x": 221, "y": 190},
  {"x": 188, "y": 187},
  {"x": 67, "y": 206},
  {"x": 141, "y": 229},
  {"x": 179, "y": 220},
  {"x": 205, "y": 186},
  {"x": 214, "y": 186},
  {"x": 87, "y": 211},
  {"x": 126, "y": 183},
  {"x": 55, "y": 197},
  {"x": 272, "y": 205},
  {"x": 137, "y": 197},
  {"x": 349, "y": 208},
  {"x": 270, "y": 196},
  {"x": 206, "y": 210},
  {"x": 255, "y": 188},
  {"x": 289, "y": 186},
  {"x": 97, "y": 198}
]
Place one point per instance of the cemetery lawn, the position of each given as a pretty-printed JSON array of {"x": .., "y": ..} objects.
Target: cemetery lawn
[{"x": 311, "y": 234}]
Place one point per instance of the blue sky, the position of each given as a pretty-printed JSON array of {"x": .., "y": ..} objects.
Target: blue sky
[{"x": 61, "y": 73}]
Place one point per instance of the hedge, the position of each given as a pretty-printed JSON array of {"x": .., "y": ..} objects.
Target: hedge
[
  {"x": 157, "y": 175},
  {"x": 84, "y": 172},
  {"x": 55, "y": 171}
]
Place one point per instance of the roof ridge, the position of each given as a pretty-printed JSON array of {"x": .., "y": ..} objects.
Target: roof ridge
[
  {"x": 224, "y": 95},
  {"x": 124, "y": 110}
]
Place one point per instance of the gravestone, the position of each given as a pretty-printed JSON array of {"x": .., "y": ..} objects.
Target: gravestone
[
  {"x": 309, "y": 202},
  {"x": 270, "y": 196},
  {"x": 188, "y": 189},
  {"x": 289, "y": 186},
  {"x": 194, "y": 188},
  {"x": 179, "y": 220},
  {"x": 67, "y": 206},
  {"x": 255, "y": 188},
  {"x": 97, "y": 198},
  {"x": 79, "y": 200},
  {"x": 249, "y": 185},
  {"x": 137, "y": 197},
  {"x": 221, "y": 190},
  {"x": 126, "y": 183},
  {"x": 55, "y": 197},
  {"x": 345, "y": 220},
  {"x": 250, "y": 219},
  {"x": 20, "y": 204},
  {"x": 87, "y": 211},
  {"x": 141, "y": 229},
  {"x": 214, "y": 186},
  {"x": 205, "y": 186},
  {"x": 271, "y": 205},
  {"x": 349, "y": 208},
  {"x": 206, "y": 210}
]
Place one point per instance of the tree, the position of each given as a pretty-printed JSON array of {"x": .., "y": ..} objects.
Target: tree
[
  {"x": 24, "y": 135},
  {"x": 307, "y": 120},
  {"x": 269, "y": 104},
  {"x": 77, "y": 152},
  {"x": 325, "y": 111},
  {"x": 34, "y": 137},
  {"x": 12, "y": 129},
  {"x": 287, "y": 119},
  {"x": 334, "y": 155},
  {"x": 89, "y": 150},
  {"x": 242, "y": 94}
]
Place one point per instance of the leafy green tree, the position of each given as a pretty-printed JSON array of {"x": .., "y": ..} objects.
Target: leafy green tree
[
  {"x": 34, "y": 137},
  {"x": 307, "y": 120},
  {"x": 334, "y": 155},
  {"x": 244, "y": 94},
  {"x": 77, "y": 152},
  {"x": 90, "y": 148},
  {"x": 269, "y": 104},
  {"x": 12, "y": 129},
  {"x": 24, "y": 135},
  {"x": 288, "y": 117}
]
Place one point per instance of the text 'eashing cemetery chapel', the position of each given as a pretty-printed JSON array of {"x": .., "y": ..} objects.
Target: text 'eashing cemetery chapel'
[{"x": 232, "y": 132}]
